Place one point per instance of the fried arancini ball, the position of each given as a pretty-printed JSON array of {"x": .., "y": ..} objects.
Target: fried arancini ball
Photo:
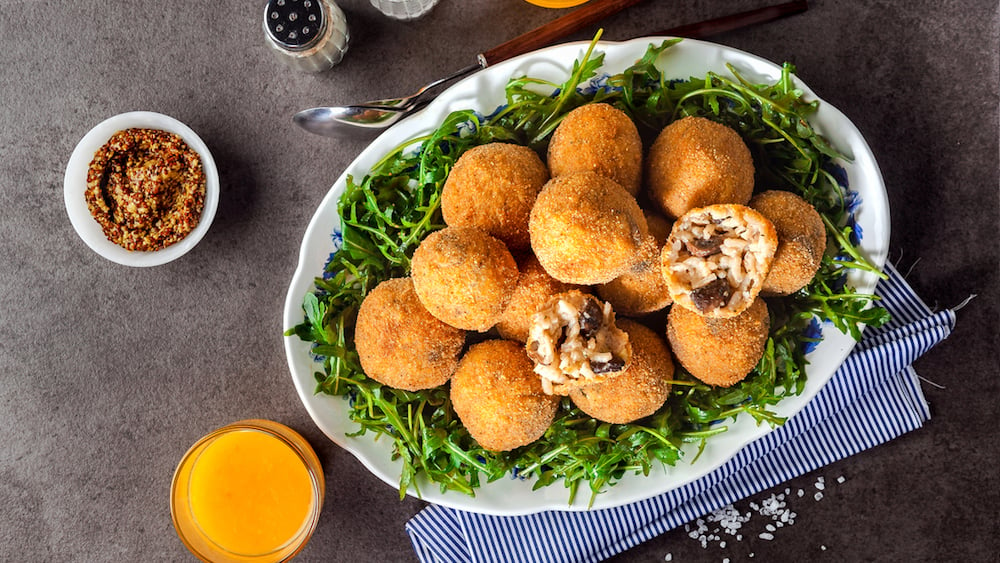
[
  {"x": 696, "y": 162},
  {"x": 637, "y": 392},
  {"x": 499, "y": 398},
  {"x": 534, "y": 287},
  {"x": 464, "y": 277},
  {"x": 719, "y": 351},
  {"x": 598, "y": 138},
  {"x": 586, "y": 229},
  {"x": 400, "y": 344},
  {"x": 801, "y": 240},
  {"x": 643, "y": 288},
  {"x": 717, "y": 257},
  {"x": 493, "y": 187}
]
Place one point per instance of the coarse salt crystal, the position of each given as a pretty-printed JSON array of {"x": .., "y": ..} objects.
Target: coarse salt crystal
[
  {"x": 669, "y": 557},
  {"x": 729, "y": 520},
  {"x": 818, "y": 496},
  {"x": 841, "y": 479}
]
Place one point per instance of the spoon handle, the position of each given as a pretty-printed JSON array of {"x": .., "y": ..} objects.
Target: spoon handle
[{"x": 592, "y": 12}]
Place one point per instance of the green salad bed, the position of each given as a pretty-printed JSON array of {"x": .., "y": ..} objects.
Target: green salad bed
[{"x": 386, "y": 214}]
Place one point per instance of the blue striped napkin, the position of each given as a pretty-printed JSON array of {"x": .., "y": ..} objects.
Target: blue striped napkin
[{"x": 874, "y": 397}]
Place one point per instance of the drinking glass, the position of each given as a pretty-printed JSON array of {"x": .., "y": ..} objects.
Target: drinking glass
[{"x": 404, "y": 9}]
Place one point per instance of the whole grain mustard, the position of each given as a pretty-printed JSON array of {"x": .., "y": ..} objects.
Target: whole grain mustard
[{"x": 146, "y": 188}]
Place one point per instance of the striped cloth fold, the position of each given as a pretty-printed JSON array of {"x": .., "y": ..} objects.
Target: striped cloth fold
[{"x": 874, "y": 396}]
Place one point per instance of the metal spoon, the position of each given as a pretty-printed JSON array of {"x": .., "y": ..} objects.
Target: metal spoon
[
  {"x": 335, "y": 121},
  {"x": 375, "y": 116}
]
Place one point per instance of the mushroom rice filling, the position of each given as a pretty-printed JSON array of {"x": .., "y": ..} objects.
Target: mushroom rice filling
[
  {"x": 717, "y": 257},
  {"x": 574, "y": 342}
]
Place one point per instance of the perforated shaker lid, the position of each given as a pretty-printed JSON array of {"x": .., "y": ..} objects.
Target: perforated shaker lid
[{"x": 294, "y": 24}]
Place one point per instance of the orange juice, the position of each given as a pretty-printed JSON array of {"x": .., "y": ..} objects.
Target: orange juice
[
  {"x": 556, "y": 3},
  {"x": 250, "y": 491}
]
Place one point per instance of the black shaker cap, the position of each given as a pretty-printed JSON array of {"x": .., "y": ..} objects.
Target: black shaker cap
[{"x": 294, "y": 24}]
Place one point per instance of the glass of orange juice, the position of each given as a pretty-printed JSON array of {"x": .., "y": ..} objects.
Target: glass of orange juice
[
  {"x": 556, "y": 3},
  {"x": 250, "y": 491}
]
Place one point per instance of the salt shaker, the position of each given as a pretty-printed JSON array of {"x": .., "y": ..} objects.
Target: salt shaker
[{"x": 309, "y": 35}]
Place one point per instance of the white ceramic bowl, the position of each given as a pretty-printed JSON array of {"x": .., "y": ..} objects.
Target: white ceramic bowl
[{"x": 75, "y": 185}]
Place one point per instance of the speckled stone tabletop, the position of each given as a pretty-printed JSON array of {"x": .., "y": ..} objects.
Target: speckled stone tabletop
[{"x": 109, "y": 373}]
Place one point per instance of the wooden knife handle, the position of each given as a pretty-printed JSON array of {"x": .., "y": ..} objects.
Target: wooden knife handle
[
  {"x": 592, "y": 12},
  {"x": 737, "y": 21}
]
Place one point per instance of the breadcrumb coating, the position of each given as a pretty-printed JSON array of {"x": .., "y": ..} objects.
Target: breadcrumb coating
[
  {"x": 801, "y": 241},
  {"x": 499, "y": 398},
  {"x": 400, "y": 344},
  {"x": 586, "y": 229},
  {"x": 598, "y": 138},
  {"x": 719, "y": 351},
  {"x": 695, "y": 162},
  {"x": 642, "y": 289},
  {"x": 493, "y": 187},
  {"x": 464, "y": 277}
]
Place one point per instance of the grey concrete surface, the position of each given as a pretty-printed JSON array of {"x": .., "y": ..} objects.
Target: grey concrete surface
[{"x": 109, "y": 373}]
